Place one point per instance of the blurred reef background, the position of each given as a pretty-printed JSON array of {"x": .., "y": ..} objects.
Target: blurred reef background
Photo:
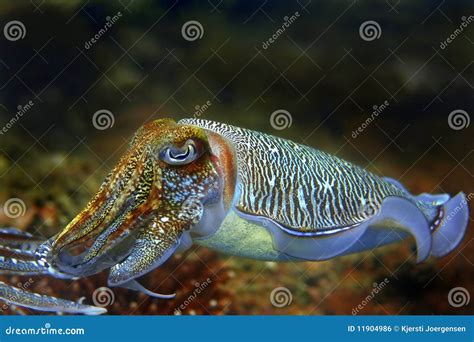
[{"x": 133, "y": 61}]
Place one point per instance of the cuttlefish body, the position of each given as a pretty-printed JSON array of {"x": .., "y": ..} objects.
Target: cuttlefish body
[{"x": 240, "y": 192}]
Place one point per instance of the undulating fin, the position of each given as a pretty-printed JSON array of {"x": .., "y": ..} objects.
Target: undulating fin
[
  {"x": 396, "y": 183},
  {"x": 396, "y": 218},
  {"x": 448, "y": 218},
  {"x": 14, "y": 295},
  {"x": 434, "y": 200},
  {"x": 452, "y": 227}
]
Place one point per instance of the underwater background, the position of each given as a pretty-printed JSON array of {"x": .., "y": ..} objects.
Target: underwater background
[{"x": 387, "y": 85}]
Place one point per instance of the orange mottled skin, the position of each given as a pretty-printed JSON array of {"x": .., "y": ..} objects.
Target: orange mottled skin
[
  {"x": 142, "y": 189},
  {"x": 145, "y": 209}
]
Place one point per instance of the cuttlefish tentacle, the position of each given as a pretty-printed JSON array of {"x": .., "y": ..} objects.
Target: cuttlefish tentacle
[
  {"x": 17, "y": 253},
  {"x": 14, "y": 295},
  {"x": 21, "y": 261},
  {"x": 233, "y": 190},
  {"x": 19, "y": 242},
  {"x": 145, "y": 210},
  {"x": 17, "y": 266},
  {"x": 132, "y": 207}
]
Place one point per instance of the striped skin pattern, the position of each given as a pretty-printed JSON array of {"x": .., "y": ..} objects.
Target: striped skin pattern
[
  {"x": 175, "y": 186},
  {"x": 301, "y": 188}
]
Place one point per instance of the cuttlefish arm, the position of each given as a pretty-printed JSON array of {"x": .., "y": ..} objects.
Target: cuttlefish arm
[
  {"x": 18, "y": 258},
  {"x": 142, "y": 214},
  {"x": 19, "y": 242},
  {"x": 14, "y": 295},
  {"x": 154, "y": 246}
]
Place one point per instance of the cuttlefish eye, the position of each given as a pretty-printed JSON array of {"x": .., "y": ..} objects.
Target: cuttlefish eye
[{"x": 173, "y": 155}]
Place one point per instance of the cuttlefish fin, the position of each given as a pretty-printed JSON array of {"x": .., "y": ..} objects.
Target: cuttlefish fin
[
  {"x": 453, "y": 225},
  {"x": 154, "y": 246}
]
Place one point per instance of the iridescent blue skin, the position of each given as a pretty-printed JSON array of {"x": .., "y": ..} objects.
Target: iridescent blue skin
[{"x": 232, "y": 190}]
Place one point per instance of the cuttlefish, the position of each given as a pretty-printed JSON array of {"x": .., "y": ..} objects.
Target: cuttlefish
[{"x": 235, "y": 191}]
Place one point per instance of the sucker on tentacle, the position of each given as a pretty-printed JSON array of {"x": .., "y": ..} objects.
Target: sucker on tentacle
[{"x": 236, "y": 191}]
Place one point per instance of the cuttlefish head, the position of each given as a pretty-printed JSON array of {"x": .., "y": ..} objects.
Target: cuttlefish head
[{"x": 156, "y": 194}]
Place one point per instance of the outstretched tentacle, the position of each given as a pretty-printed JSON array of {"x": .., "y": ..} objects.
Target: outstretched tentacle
[
  {"x": 19, "y": 258},
  {"x": 136, "y": 286},
  {"x": 19, "y": 242},
  {"x": 17, "y": 296},
  {"x": 12, "y": 265},
  {"x": 14, "y": 231}
]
